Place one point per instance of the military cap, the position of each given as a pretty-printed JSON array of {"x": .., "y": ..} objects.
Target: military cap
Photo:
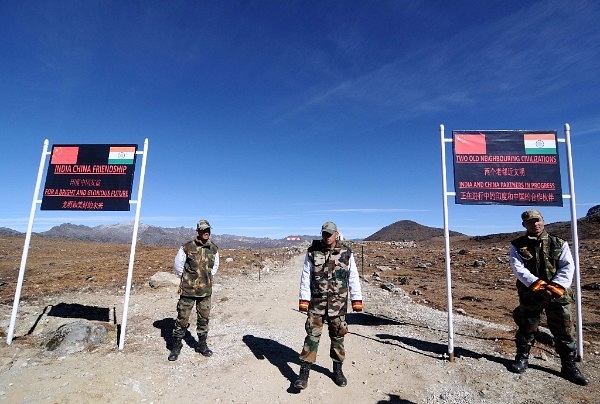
[
  {"x": 531, "y": 214},
  {"x": 329, "y": 227},
  {"x": 203, "y": 225}
]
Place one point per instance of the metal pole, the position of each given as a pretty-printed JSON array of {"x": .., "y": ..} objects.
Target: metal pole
[
  {"x": 447, "y": 248},
  {"x": 13, "y": 317},
  {"x": 133, "y": 244},
  {"x": 575, "y": 242},
  {"x": 362, "y": 258}
]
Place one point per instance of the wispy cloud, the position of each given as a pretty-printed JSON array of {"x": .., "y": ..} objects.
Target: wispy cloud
[
  {"x": 535, "y": 51},
  {"x": 585, "y": 127}
]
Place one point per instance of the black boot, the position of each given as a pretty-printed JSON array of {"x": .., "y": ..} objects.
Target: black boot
[
  {"x": 521, "y": 359},
  {"x": 202, "y": 347},
  {"x": 569, "y": 371},
  {"x": 302, "y": 380},
  {"x": 338, "y": 375},
  {"x": 175, "y": 349}
]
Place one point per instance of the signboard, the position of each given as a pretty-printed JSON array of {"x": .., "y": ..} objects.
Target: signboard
[
  {"x": 89, "y": 177},
  {"x": 512, "y": 167}
]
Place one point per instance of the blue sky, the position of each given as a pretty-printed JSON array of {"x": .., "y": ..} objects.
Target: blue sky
[{"x": 270, "y": 117}]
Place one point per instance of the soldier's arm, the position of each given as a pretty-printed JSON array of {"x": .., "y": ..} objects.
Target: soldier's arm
[
  {"x": 215, "y": 267},
  {"x": 566, "y": 268},
  {"x": 354, "y": 285},
  {"x": 179, "y": 262},
  {"x": 519, "y": 269},
  {"x": 304, "y": 293}
]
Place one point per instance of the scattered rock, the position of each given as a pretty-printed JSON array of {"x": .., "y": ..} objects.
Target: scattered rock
[
  {"x": 76, "y": 337},
  {"x": 403, "y": 280},
  {"x": 388, "y": 286},
  {"x": 163, "y": 279},
  {"x": 503, "y": 260},
  {"x": 591, "y": 286}
]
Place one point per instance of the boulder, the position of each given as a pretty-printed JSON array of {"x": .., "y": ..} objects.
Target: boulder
[{"x": 76, "y": 337}]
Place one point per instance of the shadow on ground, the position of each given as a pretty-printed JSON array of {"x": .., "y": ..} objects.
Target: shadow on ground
[
  {"x": 74, "y": 310},
  {"x": 394, "y": 398},
  {"x": 166, "y": 326},
  {"x": 279, "y": 356}
]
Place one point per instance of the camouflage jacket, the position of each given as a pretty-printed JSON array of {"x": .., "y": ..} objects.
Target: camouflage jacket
[
  {"x": 546, "y": 257},
  {"x": 200, "y": 265},
  {"x": 329, "y": 277}
]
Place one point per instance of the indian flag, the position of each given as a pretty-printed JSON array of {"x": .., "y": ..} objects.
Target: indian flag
[
  {"x": 540, "y": 143},
  {"x": 121, "y": 155}
]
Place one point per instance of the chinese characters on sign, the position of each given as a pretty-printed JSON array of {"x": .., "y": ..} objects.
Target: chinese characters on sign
[
  {"x": 89, "y": 177},
  {"x": 506, "y": 167}
]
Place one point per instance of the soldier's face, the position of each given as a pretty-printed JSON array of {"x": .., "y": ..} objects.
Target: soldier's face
[
  {"x": 204, "y": 235},
  {"x": 534, "y": 226},
  {"x": 329, "y": 238}
]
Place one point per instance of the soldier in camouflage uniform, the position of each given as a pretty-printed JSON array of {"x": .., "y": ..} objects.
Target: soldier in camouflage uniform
[
  {"x": 196, "y": 262},
  {"x": 544, "y": 269},
  {"x": 329, "y": 276}
]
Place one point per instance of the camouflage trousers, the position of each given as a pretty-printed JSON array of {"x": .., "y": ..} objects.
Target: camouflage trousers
[
  {"x": 558, "y": 315},
  {"x": 337, "y": 327},
  {"x": 184, "y": 310}
]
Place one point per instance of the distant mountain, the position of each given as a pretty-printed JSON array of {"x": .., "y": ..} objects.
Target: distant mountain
[
  {"x": 157, "y": 236},
  {"x": 407, "y": 230},
  {"x": 5, "y": 231},
  {"x": 404, "y": 230}
]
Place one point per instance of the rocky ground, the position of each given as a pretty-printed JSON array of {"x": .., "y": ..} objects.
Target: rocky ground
[{"x": 397, "y": 348}]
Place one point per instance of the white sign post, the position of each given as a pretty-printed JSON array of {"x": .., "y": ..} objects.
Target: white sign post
[
  {"x": 571, "y": 196},
  {"x": 72, "y": 159}
]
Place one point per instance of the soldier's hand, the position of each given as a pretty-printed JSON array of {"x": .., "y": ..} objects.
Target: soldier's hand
[
  {"x": 357, "y": 305},
  {"x": 555, "y": 289},
  {"x": 538, "y": 286},
  {"x": 303, "y": 306}
]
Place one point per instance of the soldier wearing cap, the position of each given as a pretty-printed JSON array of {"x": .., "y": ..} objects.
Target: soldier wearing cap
[
  {"x": 196, "y": 262},
  {"x": 544, "y": 269},
  {"x": 329, "y": 277}
]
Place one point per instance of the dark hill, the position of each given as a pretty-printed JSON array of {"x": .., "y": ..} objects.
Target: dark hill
[{"x": 407, "y": 230}]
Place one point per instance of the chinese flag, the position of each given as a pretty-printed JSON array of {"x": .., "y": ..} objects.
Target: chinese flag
[
  {"x": 64, "y": 155},
  {"x": 469, "y": 144}
]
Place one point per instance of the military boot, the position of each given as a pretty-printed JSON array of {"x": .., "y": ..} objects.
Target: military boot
[
  {"x": 521, "y": 359},
  {"x": 338, "y": 375},
  {"x": 569, "y": 371},
  {"x": 302, "y": 380},
  {"x": 175, "y": 349},
  {"x": 202, "y": 347}
]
